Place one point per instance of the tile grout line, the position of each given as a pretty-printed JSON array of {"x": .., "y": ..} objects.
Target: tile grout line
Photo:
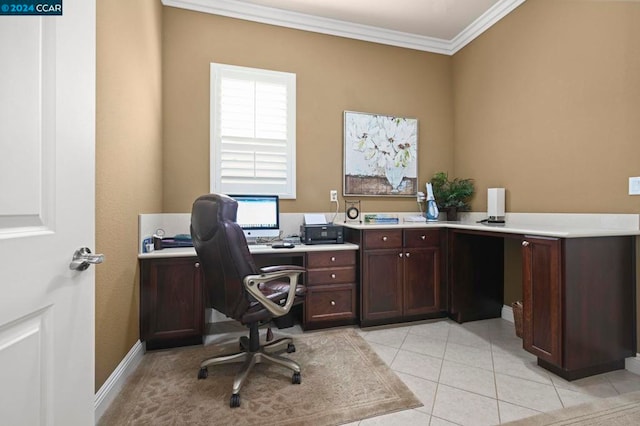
[
  {"x": 398, "y": 351},
  {"x": 612, "y": 385},
  {"x": 435, "y": 393},
  {"x": 495, "y": 381}
]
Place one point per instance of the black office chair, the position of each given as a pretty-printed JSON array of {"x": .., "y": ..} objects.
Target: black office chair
[{"x": 235, "y": 287}]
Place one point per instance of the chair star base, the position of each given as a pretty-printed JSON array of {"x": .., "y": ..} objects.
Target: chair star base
[{"x": 266, "y": 353}]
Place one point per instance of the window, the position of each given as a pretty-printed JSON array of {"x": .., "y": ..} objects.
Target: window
[{"x": 253, "y": 131}]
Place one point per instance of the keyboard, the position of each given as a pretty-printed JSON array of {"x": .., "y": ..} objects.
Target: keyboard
[{"x": 259, "y": 246}]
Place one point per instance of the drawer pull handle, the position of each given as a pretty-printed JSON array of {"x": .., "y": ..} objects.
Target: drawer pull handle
[
  {"x": 333, "y": 276},
  {"x": 423, "y": 237},
  {"x": 525, "y": 244},
  {"x": 333, "y": 258},
  {"x": 333, "y": 303},
  {"x": 384, "y": 238},
  {"x": 197, "y": 265}
]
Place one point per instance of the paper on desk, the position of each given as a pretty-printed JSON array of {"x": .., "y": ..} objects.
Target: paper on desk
[{"x": 314, "y": 219}]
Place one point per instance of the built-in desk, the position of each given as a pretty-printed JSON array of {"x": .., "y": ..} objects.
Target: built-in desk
[
  {"x": 578, "y": 284},
  {"x": 171, "y": 289},
  {"x": 578, "y": 278}
]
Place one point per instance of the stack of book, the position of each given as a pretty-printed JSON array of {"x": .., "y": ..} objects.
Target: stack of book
[{"x": 381, "y": 218}]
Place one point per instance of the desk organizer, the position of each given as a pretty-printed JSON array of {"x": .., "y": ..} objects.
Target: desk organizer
[{"x": 381, "y": 219}]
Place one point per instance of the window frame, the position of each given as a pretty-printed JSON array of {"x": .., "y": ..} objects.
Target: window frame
[{"x": 217, "y": 73}]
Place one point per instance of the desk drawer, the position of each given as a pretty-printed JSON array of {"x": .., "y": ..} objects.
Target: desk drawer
[
  {"x": 344, "y": 274},
  {"x": 329, "y": 259},
  {"x": 383, "y": 239},
  {"x": 330, "y": 302},
  {"x": 415, "y": 238}
]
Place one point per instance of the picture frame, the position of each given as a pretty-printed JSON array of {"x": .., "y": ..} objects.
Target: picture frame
[{"x": 380, "y": 155}]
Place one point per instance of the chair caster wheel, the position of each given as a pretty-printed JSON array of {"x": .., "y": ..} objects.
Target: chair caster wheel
[
  {"x": 291, "y": 348},
  {"x": 295, "y": 379},
  {"x": 203, "y": 373},
  {"x": 235, "y": 400}
]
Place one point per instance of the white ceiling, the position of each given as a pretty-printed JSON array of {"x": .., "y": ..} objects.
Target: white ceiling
[
  {"x": 443, "y": 19},
  {"x": 440, "y": 26}
]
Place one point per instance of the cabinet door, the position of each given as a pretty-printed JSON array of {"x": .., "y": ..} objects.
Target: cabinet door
[
  {"x": 330, "y": 303},
  {"x": 542, "y": 298},
  {"x": 421, "y": 281},
  {"x": 382, "y": 284},
  {"x": 172, "y": 311}
]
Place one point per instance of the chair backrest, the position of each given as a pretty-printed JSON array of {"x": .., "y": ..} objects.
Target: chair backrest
[{"x": 223, "y": 253}]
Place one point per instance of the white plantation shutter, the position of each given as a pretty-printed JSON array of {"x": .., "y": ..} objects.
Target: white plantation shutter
[{"x": 252, "y": 131}]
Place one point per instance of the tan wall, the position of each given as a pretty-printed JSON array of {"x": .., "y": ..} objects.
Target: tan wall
[
  {"x": 546, "y": 104},
  {"x": 333, "y": 75},
  {"x": 128, "y": 152}
]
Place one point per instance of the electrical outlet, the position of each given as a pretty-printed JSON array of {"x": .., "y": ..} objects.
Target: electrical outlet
[
  {"x": 634, "y": 186},
  {"x": 333, "y": 195}
]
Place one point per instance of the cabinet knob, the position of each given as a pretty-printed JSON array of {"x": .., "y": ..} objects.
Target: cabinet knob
[
  {"x": 384, "y": 238},
  {"x": 333, "y": 276},
  {"x": 333, "y": 258},
  {"x": 332, "y": 303},
  {"x": 197, "y": 264},
  {"x": 400, "y": 254},
  {"x": 525, "y": 244},
  {"x": 423, "y": 237},
  {"x": 408, "y": 254}
]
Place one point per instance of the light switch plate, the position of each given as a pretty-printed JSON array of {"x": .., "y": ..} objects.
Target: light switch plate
[{"x": 634, "y": 186}]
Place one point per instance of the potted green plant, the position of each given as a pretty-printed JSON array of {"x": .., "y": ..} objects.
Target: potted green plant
[{"x": 452, "y": 196}]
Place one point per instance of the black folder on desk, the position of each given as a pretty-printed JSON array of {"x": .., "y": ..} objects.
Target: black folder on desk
[{"x": 160, "y": 243}]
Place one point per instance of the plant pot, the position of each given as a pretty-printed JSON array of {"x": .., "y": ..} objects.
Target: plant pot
[{"x": 452, "y": 214}]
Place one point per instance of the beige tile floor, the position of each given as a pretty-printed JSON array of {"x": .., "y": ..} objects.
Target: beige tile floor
[
  {"x": 477, "y": 373},
  {"x": 474, "y": 373}
]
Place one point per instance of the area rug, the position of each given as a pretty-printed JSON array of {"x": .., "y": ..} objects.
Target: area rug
[
  {"x": 343, "y": 380},
  {"x": 621, "y": 410}
]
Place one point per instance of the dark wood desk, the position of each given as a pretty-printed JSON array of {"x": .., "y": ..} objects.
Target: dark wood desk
[
  {"x": 579, "y": 288},
  {"x": 578, "y": 296},
  {"x": 579, "y": 293},
  {"x": 171, "y": 290}
]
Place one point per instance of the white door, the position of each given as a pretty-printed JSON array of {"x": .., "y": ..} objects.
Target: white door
[{"x": 47, "y": 179}]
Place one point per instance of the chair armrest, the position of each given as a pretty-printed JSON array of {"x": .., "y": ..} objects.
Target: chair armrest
[
  {"x": 279, "y": 268},
  {"x": 252, "y": 285}
]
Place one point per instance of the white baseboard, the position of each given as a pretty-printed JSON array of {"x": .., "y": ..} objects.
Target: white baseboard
[
  {"x": 212, "y": 316},
  {"x": 633, "y": 364},
  {"x": 112, "y": 386},
  {"x": 507, "y": 313}
]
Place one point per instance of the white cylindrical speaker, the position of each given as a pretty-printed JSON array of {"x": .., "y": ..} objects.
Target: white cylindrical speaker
[{"x": 495, "y": 203}]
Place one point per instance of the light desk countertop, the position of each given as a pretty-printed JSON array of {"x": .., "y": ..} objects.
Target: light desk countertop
[
  {"x": 543, "y": 230},
  {"x": 298, "y": 248}
]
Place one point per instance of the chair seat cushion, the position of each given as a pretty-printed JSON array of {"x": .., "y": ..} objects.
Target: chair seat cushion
[{"x": 277, "y": 292}]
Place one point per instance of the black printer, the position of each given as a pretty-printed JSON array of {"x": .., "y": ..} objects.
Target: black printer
[{"x": 321, "y": 234}]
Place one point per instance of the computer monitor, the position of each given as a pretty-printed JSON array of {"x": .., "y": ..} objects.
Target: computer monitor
[{"x": 258, "y": 216}]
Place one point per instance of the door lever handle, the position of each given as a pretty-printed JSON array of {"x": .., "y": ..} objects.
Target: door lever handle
[{"x": 82, "y": 259}]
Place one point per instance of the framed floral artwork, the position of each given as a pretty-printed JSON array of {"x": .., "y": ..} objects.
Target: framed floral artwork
[{"x": 380, "y": 155}]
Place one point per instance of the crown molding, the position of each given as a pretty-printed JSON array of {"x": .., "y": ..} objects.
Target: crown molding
[
  {"x": 300, "y": 21},
  {"x": 483, "y": 23}
]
